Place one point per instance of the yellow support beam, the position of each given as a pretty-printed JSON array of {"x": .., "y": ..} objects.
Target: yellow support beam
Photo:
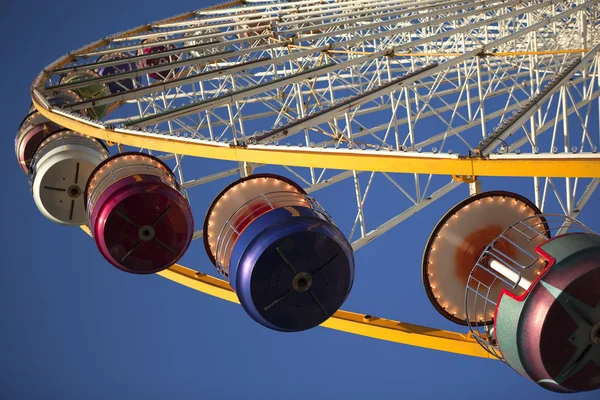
[
  {"x": 358, "y": 324},
  {"x": 531, "y": 166},
  {"x": 345, "y": 321},
  {"x": 380, "y": 161}
]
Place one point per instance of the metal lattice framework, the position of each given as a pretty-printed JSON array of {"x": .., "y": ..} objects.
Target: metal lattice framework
[{"x": 369, "y": 95}]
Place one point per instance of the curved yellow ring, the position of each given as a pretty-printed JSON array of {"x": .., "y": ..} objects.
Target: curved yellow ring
[
  {"x": 338, "y": 159},
  {"x": 357, "y": 324}
]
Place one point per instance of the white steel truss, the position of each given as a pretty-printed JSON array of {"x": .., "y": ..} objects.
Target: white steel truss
[{"x": 497, "y": 78}]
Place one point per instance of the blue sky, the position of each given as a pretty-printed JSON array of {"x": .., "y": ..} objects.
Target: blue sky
[{"x": 73, "y": 327}]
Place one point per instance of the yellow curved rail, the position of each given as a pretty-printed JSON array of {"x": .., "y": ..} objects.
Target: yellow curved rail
[
  {"x": 380, "y": 161},
  {"x": 358, "y": 324},
  {"x": 345, "y": 321}
]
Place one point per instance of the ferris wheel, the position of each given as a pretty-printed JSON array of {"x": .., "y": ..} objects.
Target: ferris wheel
[{"x": 404, "y": 99}]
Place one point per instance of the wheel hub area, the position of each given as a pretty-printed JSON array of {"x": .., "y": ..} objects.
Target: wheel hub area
[
  {"x": 74, "y": 191},
  {"x": 146, "y": 233},
  {"x": 302, "y": 282}
]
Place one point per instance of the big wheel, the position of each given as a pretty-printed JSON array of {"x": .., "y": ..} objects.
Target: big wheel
[{"x": 394, "y": 99}]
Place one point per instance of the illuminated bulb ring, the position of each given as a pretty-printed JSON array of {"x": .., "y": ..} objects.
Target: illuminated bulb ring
[
  {"x": 222, "y": 194},
  {"x": 29, "y": 133},
  {"x": 553, "y": 223},
  {"x": 53, "y": 139},
  {"x": 100, "y": 168},
  {"x": 28, "y": 118},
  {"x": 67, "y": 133},
  {"x": 450, "y": 217}
]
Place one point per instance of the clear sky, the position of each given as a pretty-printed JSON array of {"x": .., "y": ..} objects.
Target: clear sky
[{"x": 73, "y": 327}]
